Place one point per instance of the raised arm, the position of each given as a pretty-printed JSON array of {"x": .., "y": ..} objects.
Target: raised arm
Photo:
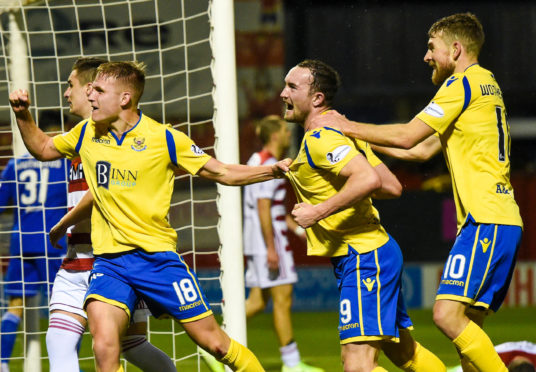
[
  {"x": 79, "y": 213},
  {"x": 419, "y": 153},
  {"x": 38, "y": 143},
  {"x": 403, "y": 136},
  {"x": 238, "y": 174},
  {"x": 361, "y": 181}
]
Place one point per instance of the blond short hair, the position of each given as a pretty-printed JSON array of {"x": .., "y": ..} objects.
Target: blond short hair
[
  {"x": 464, "y": 27},
  {"x": 130, "y": 73}
]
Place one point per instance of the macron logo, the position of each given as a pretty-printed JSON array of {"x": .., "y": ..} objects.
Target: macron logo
[
  {"x": 451, "y": 80},
  {"x": 433, "y": 109},
  {"x": 95, "y": 276},
  {"x": 485, "y": 244},
  {"x": 369, "y": 283}
]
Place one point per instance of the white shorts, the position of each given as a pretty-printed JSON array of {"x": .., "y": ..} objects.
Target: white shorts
[
  {"x": 258, "y": 275},
  {"x": 70, "y": 289}
]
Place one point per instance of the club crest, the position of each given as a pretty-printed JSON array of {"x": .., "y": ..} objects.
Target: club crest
[{"x": 139, "y": 144}]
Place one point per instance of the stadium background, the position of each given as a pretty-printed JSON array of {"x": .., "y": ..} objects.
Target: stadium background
[{"x": 378, "y": 46}]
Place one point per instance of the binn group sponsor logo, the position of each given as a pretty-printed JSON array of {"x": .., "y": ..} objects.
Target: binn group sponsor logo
[
  {"x": 107, "y": 175},
  {"x": 102, "y": 169}
]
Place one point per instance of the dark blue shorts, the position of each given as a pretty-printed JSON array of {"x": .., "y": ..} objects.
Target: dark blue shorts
[
  {"x": 161, "y": 279},
  {"x": 480, "y": 265},
  {"x": 34, "y": 272},
  {"x": 371, "y": 302}
]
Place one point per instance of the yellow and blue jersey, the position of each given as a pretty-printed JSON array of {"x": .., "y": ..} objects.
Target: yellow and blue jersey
[
  {"x": 131, "y": 179},
  {"x": 469, "y": 114},
  {"x": 314, "y": 175}
]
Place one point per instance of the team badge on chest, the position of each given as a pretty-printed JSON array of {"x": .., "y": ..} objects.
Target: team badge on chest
[{"x": 139, "y": 144}]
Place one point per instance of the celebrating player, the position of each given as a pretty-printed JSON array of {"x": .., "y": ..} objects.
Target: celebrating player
[
  {"x": 469, "y": 117},
  {"x": 334, "y": 178},
  {"x": 39, "y": 194},
  {"x": 129, "y": 161},
  {"x": 68, "y": 319},
  {"x": 270, "y": 265}
]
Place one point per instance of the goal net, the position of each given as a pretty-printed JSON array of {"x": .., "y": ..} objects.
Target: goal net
[{"x": 188, "y": 47}]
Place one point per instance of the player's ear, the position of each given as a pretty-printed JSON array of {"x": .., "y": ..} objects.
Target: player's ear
[
  {"x": 88, "y": 87},
  {"x": 126, "y": 98},
  {"x": 318, "y": 99},
  {"x": 456, "y": 50}
]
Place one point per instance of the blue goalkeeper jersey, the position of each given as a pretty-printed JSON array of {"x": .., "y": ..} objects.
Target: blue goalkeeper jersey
[{"x": 37, "y": 193}]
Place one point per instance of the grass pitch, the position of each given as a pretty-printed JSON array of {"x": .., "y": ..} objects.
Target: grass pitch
[{"x": 317, "y": 338}]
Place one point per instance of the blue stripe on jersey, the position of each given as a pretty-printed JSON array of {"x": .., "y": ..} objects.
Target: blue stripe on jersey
[
  {"x": 120, "y": 140},
  {"x": 171, "y": 147},
  {"x": 335, "y": 130},
  {"x": 309, "y": 159},
  {"x": 467, "y": 89},
  {"x": 79, "y": 143}
]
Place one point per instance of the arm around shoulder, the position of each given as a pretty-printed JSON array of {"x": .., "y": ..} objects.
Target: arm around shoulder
[
  {"x": 418, "y": 153},
  {"x": 403, "y": 136}
]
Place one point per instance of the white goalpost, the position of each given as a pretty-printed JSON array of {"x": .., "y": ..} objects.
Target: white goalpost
[
  {"x": 188, "y": 47},
  {"x": 18, "y": 68},
  {"x": 226, "y": 125}
]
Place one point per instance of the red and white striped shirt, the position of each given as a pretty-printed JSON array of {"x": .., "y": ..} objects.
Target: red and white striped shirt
[
  {"x": 276, "y": 191},
  {"x": 79, "y": 251}
]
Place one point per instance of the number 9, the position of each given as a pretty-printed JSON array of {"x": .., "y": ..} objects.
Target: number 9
[{"x": 346, "y": 311}]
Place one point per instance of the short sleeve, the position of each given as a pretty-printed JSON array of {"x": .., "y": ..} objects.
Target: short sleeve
[
  {"x": 366, "y": 150},
  {"x": 329, "y": 149},
  {"x": 68, "y": 144},
  {"x": 184, "y": 153},
  {"x": 448, "y": 103}
]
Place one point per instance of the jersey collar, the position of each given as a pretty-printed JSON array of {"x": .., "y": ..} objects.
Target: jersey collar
[
  {"x": 468, "y": 67},
  {"x": 120, "y": 140}
]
